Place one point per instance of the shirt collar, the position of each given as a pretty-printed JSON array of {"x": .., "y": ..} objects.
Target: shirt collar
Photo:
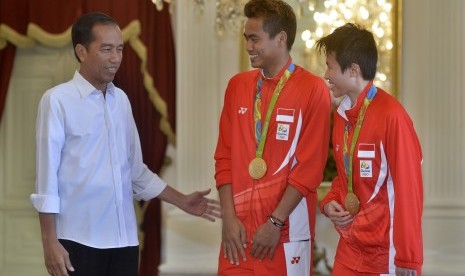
[
  {"x": 85, "y": 88},
  {"x": 349, "y": 112}
]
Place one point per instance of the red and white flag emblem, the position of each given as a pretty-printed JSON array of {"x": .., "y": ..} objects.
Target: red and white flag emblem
[
  {"x": 285, "y": 115},
  {"x": 366, "y": 151}
]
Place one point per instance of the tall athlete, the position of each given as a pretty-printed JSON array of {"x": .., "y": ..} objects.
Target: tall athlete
[
  {"x": 376, "y": 201},
  {"x": 271, "y": 152}
]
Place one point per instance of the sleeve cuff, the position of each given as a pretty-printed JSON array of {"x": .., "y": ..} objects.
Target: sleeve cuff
[
  {"x": 45, "y": 203},
  {"x": 151, "y": 191},
  {"x": 409, "y": 264},
  {"x": 222, "y": 179},
  {"x": 303, "y": 190}
]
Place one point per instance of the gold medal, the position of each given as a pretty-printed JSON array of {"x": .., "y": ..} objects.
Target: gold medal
[
  {"x": 352, "y": 203},
  {"x": 257, "y": 168}
]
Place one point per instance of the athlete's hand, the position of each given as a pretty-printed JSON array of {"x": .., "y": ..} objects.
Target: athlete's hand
[
  {"x": 265, "y": 241},
  {"x": 338, "y": 215},
  {"x": 234, "y": 239},
  {"x": 57, "y": 259},
  {"x": 400, "y": 271}
]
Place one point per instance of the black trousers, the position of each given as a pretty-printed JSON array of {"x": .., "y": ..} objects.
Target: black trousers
[{"x": 89, "y": 261}]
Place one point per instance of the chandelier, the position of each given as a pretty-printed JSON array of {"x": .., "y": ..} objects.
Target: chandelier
[{"x": 229, "y": 13}]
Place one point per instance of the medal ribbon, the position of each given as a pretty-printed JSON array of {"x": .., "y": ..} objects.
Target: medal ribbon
[
  {"x": 348, "y": 157},
  {"x": 257, "y": 107}
]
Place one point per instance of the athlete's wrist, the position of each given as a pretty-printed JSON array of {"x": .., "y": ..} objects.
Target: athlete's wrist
[{"x": 275, "y": 221}]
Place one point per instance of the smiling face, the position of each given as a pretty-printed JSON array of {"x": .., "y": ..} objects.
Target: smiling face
[
  {"x": 265, "y": 52},
  {"x": 101, "y": 59},
  {"x": 340, "y": 83}
]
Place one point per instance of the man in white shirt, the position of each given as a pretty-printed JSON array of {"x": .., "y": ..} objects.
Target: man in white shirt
[{"x": 89, "y": 164}]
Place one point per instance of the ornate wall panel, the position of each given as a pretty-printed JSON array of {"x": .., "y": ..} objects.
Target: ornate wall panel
[{"x": 433, "y": 94}]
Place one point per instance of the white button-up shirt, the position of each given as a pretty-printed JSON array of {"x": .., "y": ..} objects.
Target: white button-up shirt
[{"x": 89, "y": 164}]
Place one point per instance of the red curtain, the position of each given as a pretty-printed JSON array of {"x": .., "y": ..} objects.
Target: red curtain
[{"x": 55, "y": 17}]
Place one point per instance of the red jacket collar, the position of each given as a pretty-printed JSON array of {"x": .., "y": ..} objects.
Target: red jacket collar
[
  {"x": 276, "y": 78},
  {"x": 351, "y": 113}
]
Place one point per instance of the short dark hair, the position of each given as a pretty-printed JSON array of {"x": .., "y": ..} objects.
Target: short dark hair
[
  {"x": 81, "y": 32},
  {"x": 352, "y": 43},
  {"x": 277, "y": 16}
]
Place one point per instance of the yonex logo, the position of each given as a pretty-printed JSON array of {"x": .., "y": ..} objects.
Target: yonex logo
[
  {"x": 295, "y": 260},
  {"x": 242, "y": 110}
]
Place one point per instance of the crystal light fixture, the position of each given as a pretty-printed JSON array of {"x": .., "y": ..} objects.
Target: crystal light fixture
[
  {"x": 159, "y": 4},
  {"x": 229, "y": 15}
]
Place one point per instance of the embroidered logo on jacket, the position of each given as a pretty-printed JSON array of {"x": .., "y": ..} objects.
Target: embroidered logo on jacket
[
  {"x": 242, "y": 110},
  {"x": 295, "y": 260},
  {"x": 282, "y": 132},
  {"x": 366, "y": 168}
]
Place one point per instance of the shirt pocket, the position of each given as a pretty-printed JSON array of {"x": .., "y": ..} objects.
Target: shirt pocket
[{"x": 84, "y": 119}]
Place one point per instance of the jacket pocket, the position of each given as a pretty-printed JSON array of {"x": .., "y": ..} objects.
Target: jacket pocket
[{"x": 370, "y": 228}]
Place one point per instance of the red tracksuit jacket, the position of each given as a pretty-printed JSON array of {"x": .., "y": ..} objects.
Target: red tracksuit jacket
[
  {"x": 295, "y": 149},
  {"x": 387, "y": 179}
]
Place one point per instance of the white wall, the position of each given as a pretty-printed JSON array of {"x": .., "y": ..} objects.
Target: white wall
[{"x": 433, "y": 93}]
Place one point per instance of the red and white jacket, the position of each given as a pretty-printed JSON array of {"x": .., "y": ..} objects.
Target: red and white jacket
[
  {"x": 387, "y": 180},
  {"x": 295, "y": 149}
]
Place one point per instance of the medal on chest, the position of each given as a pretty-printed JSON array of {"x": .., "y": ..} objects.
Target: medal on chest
[
  {"x": 351, "y": 201},
  {"x": 257, "y": 167}
]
